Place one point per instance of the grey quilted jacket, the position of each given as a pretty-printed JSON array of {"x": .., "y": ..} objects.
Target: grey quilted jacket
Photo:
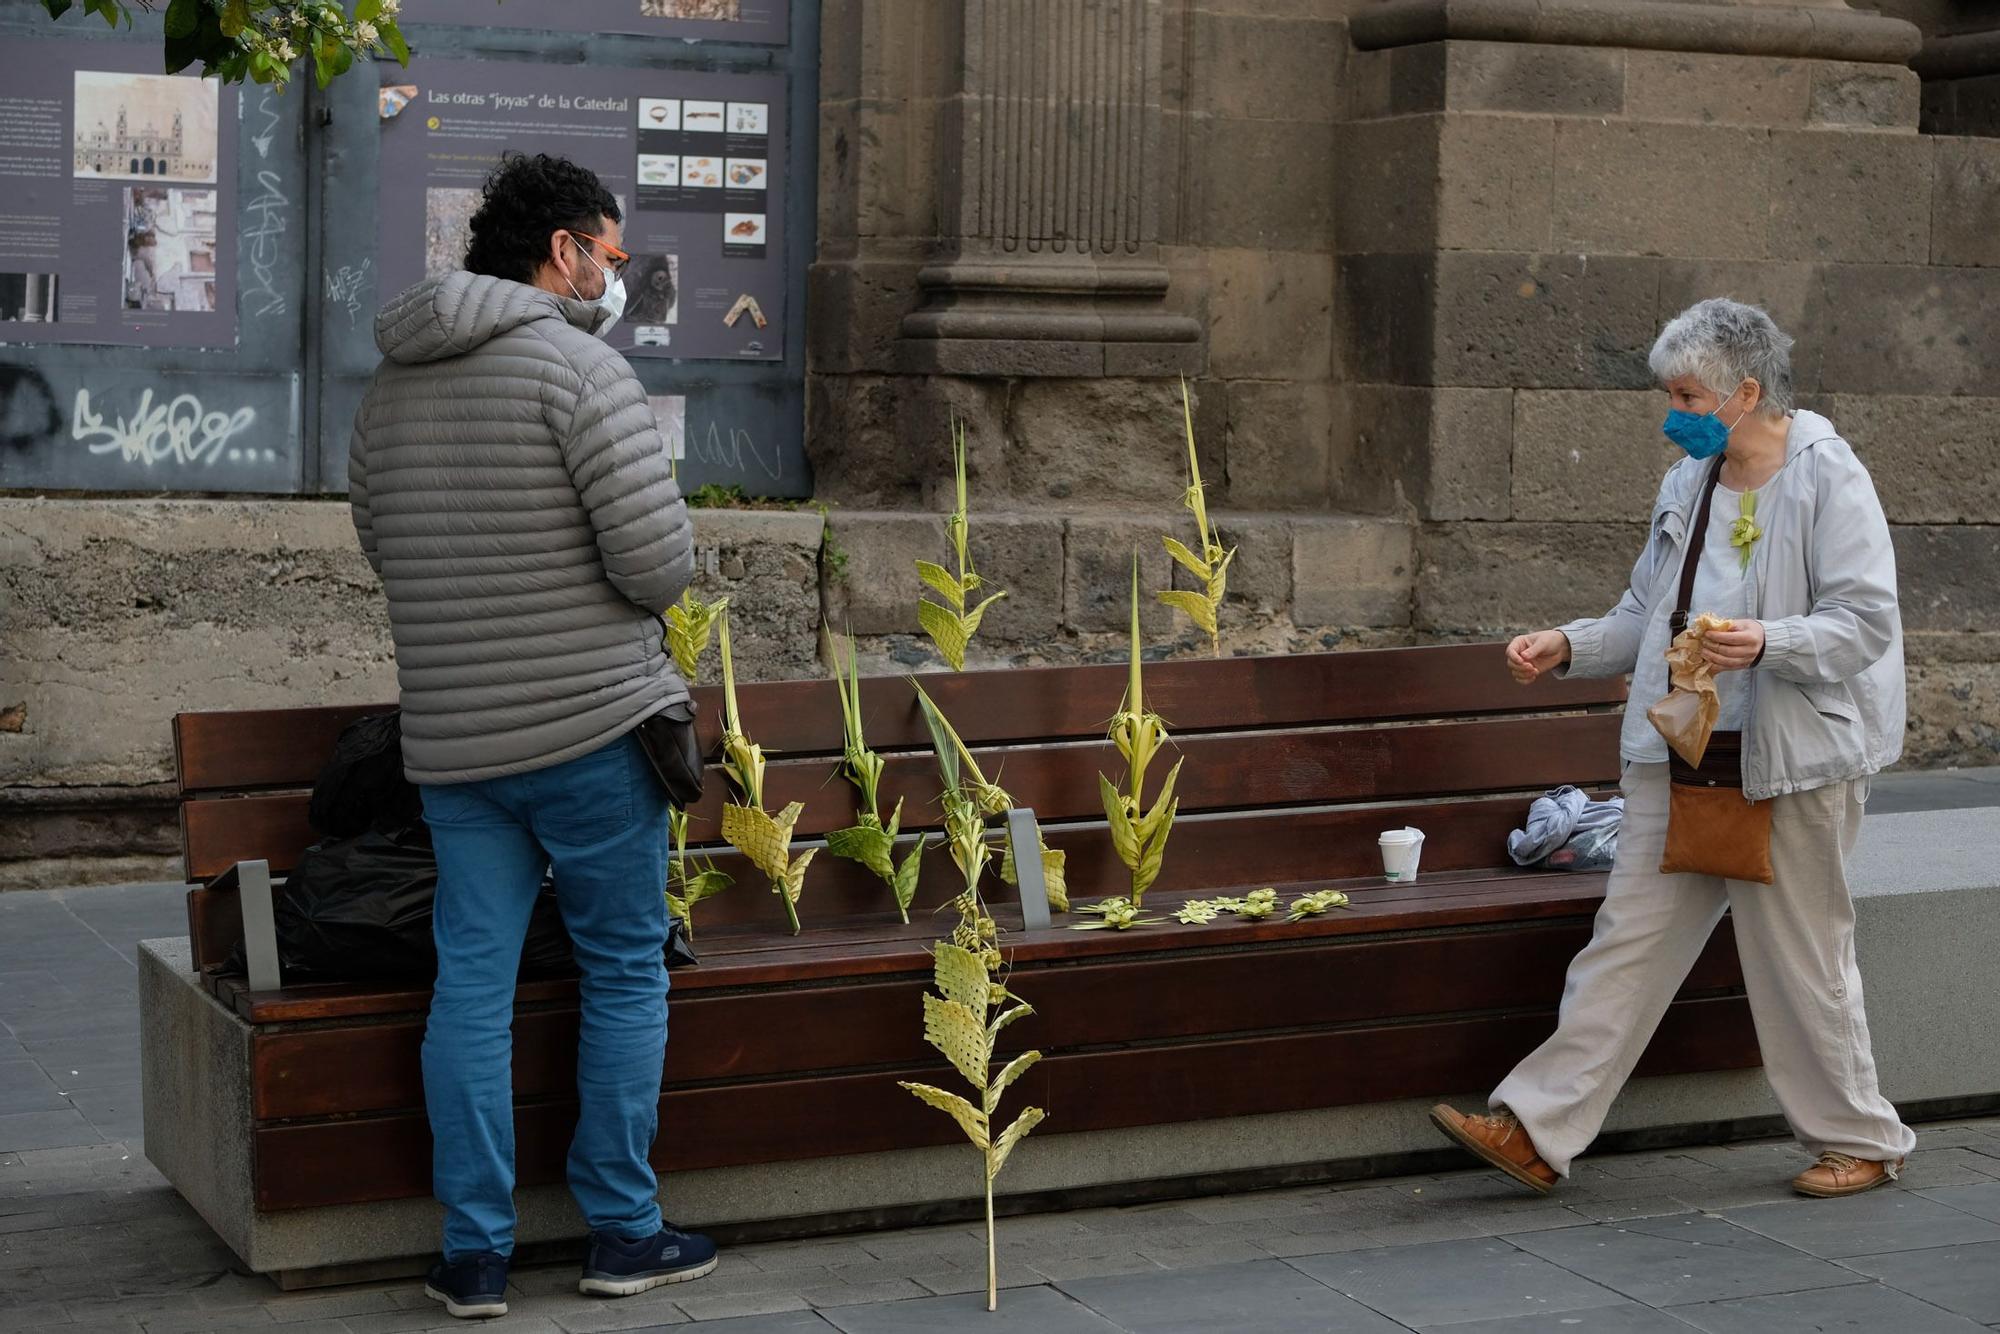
[{"x": 512, "y": 489}]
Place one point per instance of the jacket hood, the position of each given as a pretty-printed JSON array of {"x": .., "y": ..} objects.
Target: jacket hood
[{"x": 449, "y": 316}]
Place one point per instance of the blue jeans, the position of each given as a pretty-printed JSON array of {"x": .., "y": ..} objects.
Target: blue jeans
[{"x": 601, "y": 820}]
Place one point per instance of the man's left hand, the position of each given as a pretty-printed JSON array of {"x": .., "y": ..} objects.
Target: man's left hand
[{"x": 1736, "y": 648}]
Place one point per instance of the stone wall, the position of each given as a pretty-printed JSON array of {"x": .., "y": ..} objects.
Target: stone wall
[{"x": 120, "y": 614}]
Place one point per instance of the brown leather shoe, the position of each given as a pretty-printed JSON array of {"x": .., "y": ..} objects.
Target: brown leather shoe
[
  {"x": 1836, "y": 1174},
  {"x": 1499, "y": 1140}
]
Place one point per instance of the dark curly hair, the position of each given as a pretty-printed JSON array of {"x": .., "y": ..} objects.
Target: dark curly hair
[{"x": 524, "y": 201}]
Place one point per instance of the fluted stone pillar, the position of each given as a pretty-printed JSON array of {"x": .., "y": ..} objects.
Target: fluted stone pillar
[{"x": 1050, "y": 199}]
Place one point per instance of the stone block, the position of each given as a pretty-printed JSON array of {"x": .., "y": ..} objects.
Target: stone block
[
  {"x": 1260, "y": 183},
  {"x": 1280, "y": 435},
  {"x": 1260, "y": 573},
  {"x": 1097, "y": 575},
  {"x": 1948, "y": 578},
  {"x": 1023, "y": 554},
  {"x": 884, "y": 442},
  {"x": 1713, "y": 89},
  {"x": 1154, "y": 360},
  {"x": 1447, "y": 451},
  {"x": 1495, "y": 183},
  {"x": 1781, "y": 289},
  {"x": 1497, "y": 579},
  {"x": 1546, "y": 80},
  {"x": 1850, "y": 195},
  {"x": 1385, "y": 317},
  {"x": 1588, "y": 457},
  {"x": 1256, "y": 67},
  {"x": 1270, "y": 314},
  {"x": 857, "y": 307},
  {"x": 1351, "y": 572},
  {"x": 1370, "y": 78},
  {"x": 1906, "y": 329},
  {"x": 1884, "y": 96},
  {"x": 1965, "y": 217},
  {"x": 1388, "y": 186},
  {"x": 1615, "y": 196},
  {"x": 1936, "y": 460},
  {"x": 1098, "y": 442},
  {"x": 1962, "y": 106},
  {"x": 1953, "y": 711},
  {"x": 768, "y": 565},
  {"x": 1541, "y": 321},
  {"x": 876, "y": 593}
]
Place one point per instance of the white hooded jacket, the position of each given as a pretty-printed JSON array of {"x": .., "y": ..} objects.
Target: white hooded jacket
[{"x": 1827, "y": 701}]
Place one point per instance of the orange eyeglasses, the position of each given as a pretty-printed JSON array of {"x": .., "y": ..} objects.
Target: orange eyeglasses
[{"x": 619, "y": 258}]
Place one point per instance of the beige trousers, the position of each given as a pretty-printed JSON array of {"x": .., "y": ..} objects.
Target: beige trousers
[{"x": 1796, "y": 940}]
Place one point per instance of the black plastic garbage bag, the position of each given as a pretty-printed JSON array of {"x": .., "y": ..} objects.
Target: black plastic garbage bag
[
  {"x": 359, "y": 909},
  {"x": 362, "y": 786}
]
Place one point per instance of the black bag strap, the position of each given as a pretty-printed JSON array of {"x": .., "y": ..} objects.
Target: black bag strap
[{"x": 1697, "y": 539}]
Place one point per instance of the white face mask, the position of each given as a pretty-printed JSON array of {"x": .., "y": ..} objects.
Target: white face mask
[{"x": 611, "y": 301}]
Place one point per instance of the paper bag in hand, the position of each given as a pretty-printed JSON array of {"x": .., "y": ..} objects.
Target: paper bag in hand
[{"x": 1686, "y": 717}]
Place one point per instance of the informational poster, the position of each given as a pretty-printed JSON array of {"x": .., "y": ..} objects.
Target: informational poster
[
  {"x": 760, "y": 21},
  {"x": 117, "y": 198},
  {"x": 690, "y": 156}
]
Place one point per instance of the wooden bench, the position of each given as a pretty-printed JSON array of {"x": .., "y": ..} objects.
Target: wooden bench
[{"x": 789, "y": 1048}]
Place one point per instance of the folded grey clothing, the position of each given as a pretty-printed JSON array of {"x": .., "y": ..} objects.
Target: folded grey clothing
[{"x": 1558, "y": 817}]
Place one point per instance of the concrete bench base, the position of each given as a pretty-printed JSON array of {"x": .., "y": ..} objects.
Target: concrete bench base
[{"x": 1927, "y": 890}]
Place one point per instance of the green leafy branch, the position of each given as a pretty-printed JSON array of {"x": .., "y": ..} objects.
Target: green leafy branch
[
  {"x": 696, "y": 877},
  {"x": 1211, "y": 567},
  {"x": 871, "y": 842},
  {"x": 261, "y": 40},
  {"x": 950, "y": 624},
  {"x": 764, "y": 838},
  {"x": 1139, "y": 832},
  {"x": 990, "y": 800}
]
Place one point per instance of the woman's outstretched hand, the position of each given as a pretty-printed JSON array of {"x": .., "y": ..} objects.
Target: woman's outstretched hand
[{"x": 1531, "y": 655}]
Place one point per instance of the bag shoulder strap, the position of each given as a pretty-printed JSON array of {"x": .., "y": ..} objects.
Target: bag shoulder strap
[{"x": 1697, "y": 539}]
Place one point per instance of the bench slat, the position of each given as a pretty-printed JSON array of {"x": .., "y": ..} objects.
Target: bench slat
[
  {"x": 240, "y": 749},
  {"x": 370, "y": 1158},
  {"x": 1192, "y": 694},
  {"x": 735, "y": 1035}
]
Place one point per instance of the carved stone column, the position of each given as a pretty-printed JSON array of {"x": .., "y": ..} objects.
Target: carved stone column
[{"x": 1050, "y": 185}]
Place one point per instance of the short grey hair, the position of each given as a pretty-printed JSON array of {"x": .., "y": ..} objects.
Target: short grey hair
[{"x": 1722, "y": 343}]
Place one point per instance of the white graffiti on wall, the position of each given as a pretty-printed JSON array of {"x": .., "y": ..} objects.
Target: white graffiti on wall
[
  {"x": 179, "y": 431},
  {"x": 344, "y": 289},
  {"x": 270, "y": 115},
  {"x": 265, "y": 233},
  {"x": 735, "y": 453}
]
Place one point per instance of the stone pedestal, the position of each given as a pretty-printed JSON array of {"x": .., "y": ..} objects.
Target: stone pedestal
[{"x": 1050, "y": 199}]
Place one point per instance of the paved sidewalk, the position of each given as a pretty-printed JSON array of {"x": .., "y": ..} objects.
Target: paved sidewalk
[{"x": 91, "y": 1238}]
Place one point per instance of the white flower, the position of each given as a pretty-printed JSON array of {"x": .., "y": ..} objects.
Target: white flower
[
  {"x": 283, "y": 51},
  {"x": 391, "y": 8},
  {"x": 365, "y": 34}
]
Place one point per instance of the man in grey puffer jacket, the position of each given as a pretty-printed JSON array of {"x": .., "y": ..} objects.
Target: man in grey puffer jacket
[{"x": 512, "y": 489}]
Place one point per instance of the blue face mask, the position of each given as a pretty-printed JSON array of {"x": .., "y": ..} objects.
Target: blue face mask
[{"x": 1703, "y": 436}]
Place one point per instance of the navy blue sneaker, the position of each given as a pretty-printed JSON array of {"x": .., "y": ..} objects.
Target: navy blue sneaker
[
  {"x": 474, "y": 1288},
  {"x": 619, "y": 1267}
]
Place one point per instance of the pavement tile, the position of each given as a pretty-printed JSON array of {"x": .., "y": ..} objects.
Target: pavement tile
[
  {"x": 1964, "y": 1279},
  {"x": 34, "y": 1221},
  {"x": 860, "y": 1294},
  {"x": 1267, "y": 1297},
  {"x": 1867, "y": 1309},
  {"x": 1956, "y": 1166},
  {"x": 951, "y": 1282},
  {"x": 201, "y": 1322},
  {"x": 1058, "y": 1269},
  {"x": 25, "y": 1087},
  {"x": 1255, "y": 1208},
  {"x": 88, "y": 1310},
  {"x": 1027, "y": 1311},
  {"x": 1882, "y": 1220},
  {"x": 1981, "y": 1201},
  {"x": 784, "y": 1322},
  {"x": 1621, "y": 1318},
  {"x": 1204, "y": 1257},
  {"x": 1670, "y": 1261},
  {"x": 98, "y": 1062},
  {"x": 21, "y": 1131},
  {"x": 37, "y": 1316},
  {"x": 1451, "y": 1281},
  {"x": 292, "y": 1307},
  {"x": 809, "y": 1255},
  {"x": 748, "y": 1303},
  {"x": 1291, "y": 1245},
  {"x": 626, "y": 1313}
]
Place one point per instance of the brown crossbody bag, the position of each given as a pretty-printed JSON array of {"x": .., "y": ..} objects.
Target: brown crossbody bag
[{"x": 1711, "y": 828}]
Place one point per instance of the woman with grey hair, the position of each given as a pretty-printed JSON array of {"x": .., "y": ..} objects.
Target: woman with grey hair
[{"x": 1772, "y": 526}]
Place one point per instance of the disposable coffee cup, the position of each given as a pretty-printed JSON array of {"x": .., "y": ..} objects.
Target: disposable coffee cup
[{"x": 1401, "y": 851}]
